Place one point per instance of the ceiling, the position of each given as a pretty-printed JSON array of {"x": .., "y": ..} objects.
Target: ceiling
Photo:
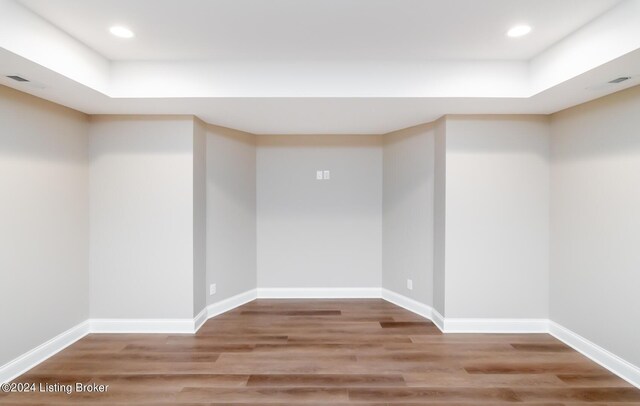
[
  {"x": 318, "y": 29},
  {"x": 319, "y": 66}
]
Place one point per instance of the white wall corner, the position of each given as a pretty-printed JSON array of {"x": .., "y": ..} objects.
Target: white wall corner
[
  {"x": 608, "y": 360},
  {"x": 22, "y": 364},
  {"x": 319, "y": 293}
]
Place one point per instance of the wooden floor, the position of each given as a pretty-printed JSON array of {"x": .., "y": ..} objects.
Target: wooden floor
[{"x": 326, "y": 352}]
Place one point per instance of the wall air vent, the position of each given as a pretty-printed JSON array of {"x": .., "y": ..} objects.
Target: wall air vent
[
  {"x": 17, "y": 78},
  {"x": 620, "y": 79}
]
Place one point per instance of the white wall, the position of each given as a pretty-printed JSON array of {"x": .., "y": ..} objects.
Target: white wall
[
  {"x": 231, "y": 212},
  {"x": 199, "y": 216},
  {"x": 595, "y": 212},
  {"x": 141, "y": 216},
  {"x": 44, "y": 221},
  {"x": 319, "y": 233},
  {"x": 408, "y": 203},
  {"x": 497, "y": 216}
]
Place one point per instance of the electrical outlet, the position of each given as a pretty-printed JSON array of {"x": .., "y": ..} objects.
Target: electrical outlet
[
  {"x": 409, "y": 284},
  {"x": 212, "y": 289},
  {"x": 327, "y": 175}
]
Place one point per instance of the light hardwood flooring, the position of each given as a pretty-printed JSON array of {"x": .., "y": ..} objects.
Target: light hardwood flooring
[{"x": 366, "y": 352}]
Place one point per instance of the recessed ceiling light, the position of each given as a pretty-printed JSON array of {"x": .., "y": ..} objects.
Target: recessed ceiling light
[
  {"x": 519, "y": 31},
  {"x": 121, "y": 32}
]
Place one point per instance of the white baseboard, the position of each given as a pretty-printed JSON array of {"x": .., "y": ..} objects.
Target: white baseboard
[
  {"x": 200, "y": 319},
  {"x": 495, "y": 326},
  {"x": 231, "y": 303},
  {"x": 171, "y": 326},
  {"x": 319, "y": 293},
  {"x": 450, "y": 325},
  {"x": 407, "y": 303},
  {"x": 437, "y": 319},
  {"x": 142, "y": 326},
  {"x": 612, "y": 362},
  {"x": 25, "y": 362}
]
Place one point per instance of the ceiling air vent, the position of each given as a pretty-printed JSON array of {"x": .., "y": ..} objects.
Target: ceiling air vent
[
  {"x": 17, "y": 78},
  {"x": 620, "y": 79}
]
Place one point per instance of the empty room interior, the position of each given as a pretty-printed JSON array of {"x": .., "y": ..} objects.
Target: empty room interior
[{"x": 374, "y": 202}]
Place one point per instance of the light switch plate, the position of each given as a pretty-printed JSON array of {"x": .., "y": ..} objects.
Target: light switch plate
[
  {"x": 327, "y": 175},
  {"x": 319, "y": 175}
]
